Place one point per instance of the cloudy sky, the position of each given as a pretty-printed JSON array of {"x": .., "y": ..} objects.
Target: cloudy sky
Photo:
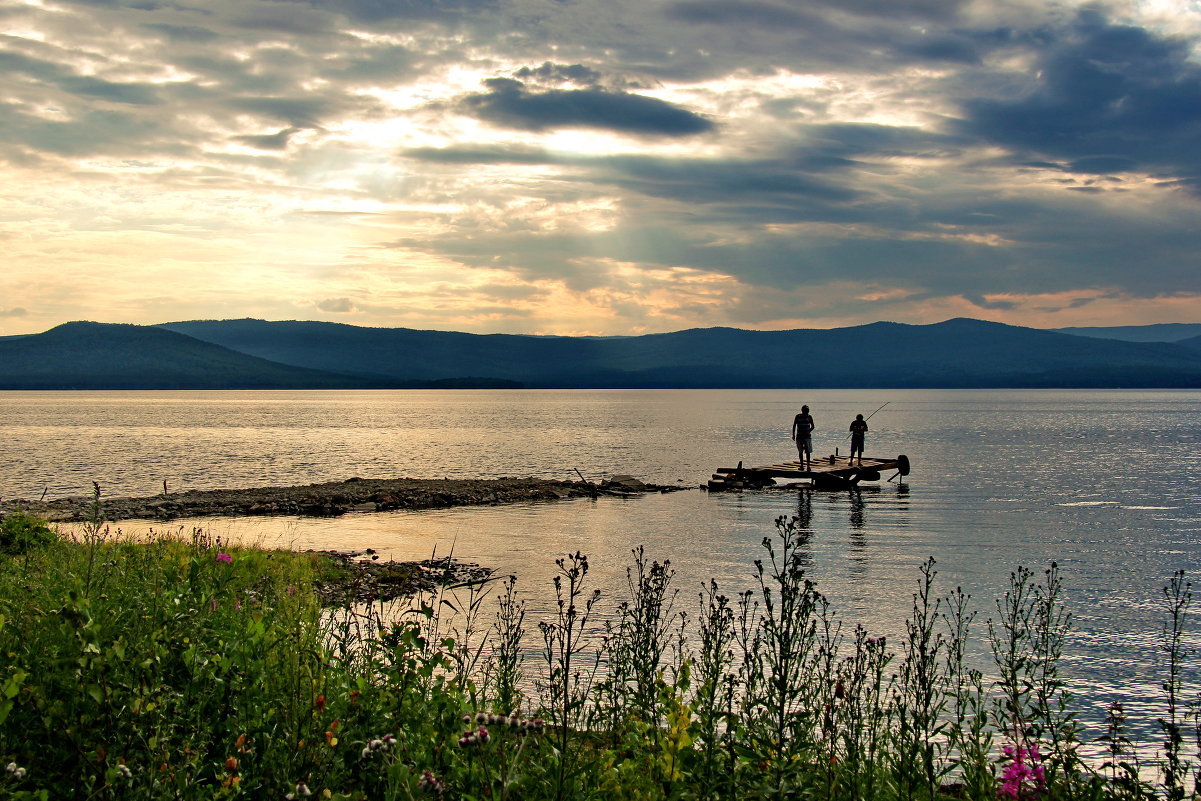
[{"x": 600, "y": 166}]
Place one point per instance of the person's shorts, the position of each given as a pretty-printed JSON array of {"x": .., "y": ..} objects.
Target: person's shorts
[
  {"x": 804, "y": 444},
  {"x": 856, "y": 442}
]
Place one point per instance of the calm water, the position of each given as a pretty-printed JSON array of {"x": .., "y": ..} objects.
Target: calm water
[{"x": 1105, "y": 483}]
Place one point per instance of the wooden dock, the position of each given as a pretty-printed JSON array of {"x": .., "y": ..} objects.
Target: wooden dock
[{"x": 826, "y": 472}]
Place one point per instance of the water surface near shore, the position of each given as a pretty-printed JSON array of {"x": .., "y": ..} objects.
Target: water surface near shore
[{"x": 1105, "y": 483}]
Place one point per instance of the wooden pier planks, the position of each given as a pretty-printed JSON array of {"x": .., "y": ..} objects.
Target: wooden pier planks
[{"x": 829, "y": 471}]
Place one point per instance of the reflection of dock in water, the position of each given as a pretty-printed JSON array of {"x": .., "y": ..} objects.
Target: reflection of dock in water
[{"x": 829, "y": 472}]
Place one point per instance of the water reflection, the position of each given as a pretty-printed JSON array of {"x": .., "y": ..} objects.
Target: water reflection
[{"x": 856, "y": 516}]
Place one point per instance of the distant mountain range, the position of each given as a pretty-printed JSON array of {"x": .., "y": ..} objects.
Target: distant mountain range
[
  {"x": 1157, "y": 332},
  {"x": 255, "y": 354}
]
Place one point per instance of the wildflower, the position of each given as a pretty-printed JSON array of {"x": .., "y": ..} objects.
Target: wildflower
[
  {"x": 384, "y": 743},
  {"x": 291, "y": 590},
  {"x": 1024, "y": 772},
  {"x": 226, "y": 558},
  {"x": 429, "y": 783},
  {"x": 482, "y": 735},
  {"x": 16, "y": 772},
  {"x": 302, "y": 791},
  {"x": 319, "y": 703},
  {"x": 123, "y": 772},
  {"x": 231, "y": 764}
]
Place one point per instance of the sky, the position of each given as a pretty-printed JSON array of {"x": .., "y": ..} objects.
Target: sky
[{"x": 600, "y": 167}]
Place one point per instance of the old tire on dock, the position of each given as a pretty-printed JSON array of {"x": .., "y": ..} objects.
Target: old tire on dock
[
  {"x": 832, "y": 481},
  {"x": 903, "y": 464}
]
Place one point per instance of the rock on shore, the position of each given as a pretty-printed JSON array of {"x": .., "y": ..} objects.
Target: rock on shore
[{"x": 329, "y": 499}]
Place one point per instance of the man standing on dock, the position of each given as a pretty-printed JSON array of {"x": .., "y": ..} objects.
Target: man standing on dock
[
  {"x": 802, "y": 427},
  {"x": 858, "y": 430}
]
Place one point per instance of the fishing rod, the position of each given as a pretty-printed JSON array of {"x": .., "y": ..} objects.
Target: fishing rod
[{"x": 869, "y": 417}]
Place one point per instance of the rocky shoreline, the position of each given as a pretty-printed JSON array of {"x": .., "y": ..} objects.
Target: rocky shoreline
[
  {"x": 362, "y": 579},
  {"x": 329, "y": 499}
]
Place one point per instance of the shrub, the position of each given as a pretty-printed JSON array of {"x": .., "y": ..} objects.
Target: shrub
[{"x": 21, "y": 533}]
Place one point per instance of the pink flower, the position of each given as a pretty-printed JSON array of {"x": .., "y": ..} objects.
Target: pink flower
[
  {"x": 226, "y": 558},
  {"x": 1024, "y": 773}
]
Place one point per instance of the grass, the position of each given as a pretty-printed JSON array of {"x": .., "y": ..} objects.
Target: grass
[{"x": 185, "y": 669}]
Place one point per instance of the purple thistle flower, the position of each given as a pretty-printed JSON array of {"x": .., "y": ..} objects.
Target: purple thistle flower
[
  {"x": 226, "y": 558},
  {"x": 429, "y": 783}
]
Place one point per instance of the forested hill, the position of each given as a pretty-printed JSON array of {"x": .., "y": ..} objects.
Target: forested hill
[
  {"x": 955, "y": 353},
  {"x": 86, "y": 355},
  {"x": 253, "y": 354}
]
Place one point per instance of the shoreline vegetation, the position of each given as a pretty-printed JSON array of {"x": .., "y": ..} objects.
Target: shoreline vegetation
[{"x": 188, "y": 669}]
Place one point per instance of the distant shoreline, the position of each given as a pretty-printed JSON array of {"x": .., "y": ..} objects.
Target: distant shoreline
[{"x": 328, "y": 499}]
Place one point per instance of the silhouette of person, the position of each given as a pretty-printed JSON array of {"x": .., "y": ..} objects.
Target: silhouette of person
[
  {"x": 802, "y": 427},
  {"x": 858, "y": 430}
]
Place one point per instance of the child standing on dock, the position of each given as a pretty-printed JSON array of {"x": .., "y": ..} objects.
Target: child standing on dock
[
  {"x": 802, "y": 427},
  {"x": 858, "y": 430}
]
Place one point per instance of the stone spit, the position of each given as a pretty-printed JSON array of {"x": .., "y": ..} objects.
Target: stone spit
[{"x": 329, "y": 499}]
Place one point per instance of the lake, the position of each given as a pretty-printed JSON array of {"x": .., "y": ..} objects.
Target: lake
[{"x": 1105, "y": 483}]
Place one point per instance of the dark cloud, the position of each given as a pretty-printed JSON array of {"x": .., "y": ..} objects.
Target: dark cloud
[
  {"x": 92, "y": 132},
  {"x": 550, "y": 73},
  {"x": 275, "y": 141},
  {"x": 942, "y": 47},
  {"x": 477, "y": 154},
  {"x": 182, "y": 33},
  {"x": 336, "y": 305},
  {"x": 738, "y": 12},
  {"x": 720, "y": 182},
  {"x": 982, "y": 303},
  {"x": 380, "y": 64},
  {"x": 135, "y": 94},
  {"x": 900, "y": 9},
  {"x": 378, "y": 11},
  {"x": 509, "y": 103},
  {"x": 13, "y": 63},
  {"x": 1103, "y": 98},
  {"x": 300, "y": 112}
]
